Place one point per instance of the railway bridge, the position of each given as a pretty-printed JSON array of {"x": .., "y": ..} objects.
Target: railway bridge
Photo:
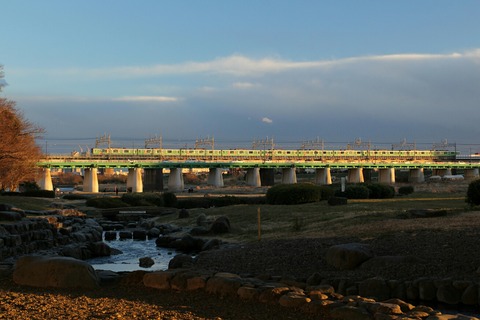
[{"x": 146, "y": 173}]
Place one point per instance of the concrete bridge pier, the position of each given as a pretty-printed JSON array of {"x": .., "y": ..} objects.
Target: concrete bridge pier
[
  {"x": 134, "y": 179},
  {"x": 442, "y": 172},
  {"x": 215, "y": 177},
  {"x": 152, "y": 180},
  {"x": 175, "y": 180},
  {"x": 45, "y": 180},
  {"x": 471, "y": 174},
  {"x": 323, "y": 176},
  {"x": 289, "y": 176},
  {"x": 416, "y": 175},
  {"x": 253, "y": 177},
  {"x": 90, "y": 180},
  {"x": 386, "y": 176},
  {"x": 355, "y": 175}
]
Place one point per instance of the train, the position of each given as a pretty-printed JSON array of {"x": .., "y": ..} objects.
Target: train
[{"x": 272, "y": 154}]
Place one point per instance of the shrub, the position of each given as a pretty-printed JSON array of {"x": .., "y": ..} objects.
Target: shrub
[
  {"x": 74, "y": 196},
  {"x": 473, "y": 193},
  {"x": 405, "y": 190},
  {"x": 326, "y": 192},
  {"x": 357, "y": 192},
  {"x": 293, "y": 194},
  {"x": 143, "y": 199},
  {"x": 39, "y": 193},
  {"x": 105, "y": 203},
  {"x": 169, "y": 199},
  {"x": 380, "y": 191}
]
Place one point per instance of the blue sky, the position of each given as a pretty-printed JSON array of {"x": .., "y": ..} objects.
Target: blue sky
[{"x": 382, "y": 71}]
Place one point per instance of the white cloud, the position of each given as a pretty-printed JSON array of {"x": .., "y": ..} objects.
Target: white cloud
[
  {"x": 146, "y": 99},
  {"x": 267, "y": 120},
  {"x": 243, "y": 85}
]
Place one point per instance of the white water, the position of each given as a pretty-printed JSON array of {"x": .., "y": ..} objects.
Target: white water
[{"x": 133, "y": 250}]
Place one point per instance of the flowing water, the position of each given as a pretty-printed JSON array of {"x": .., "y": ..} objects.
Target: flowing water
[{"x": 132, "y": 251}]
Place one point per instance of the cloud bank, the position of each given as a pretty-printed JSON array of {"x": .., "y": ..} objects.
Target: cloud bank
[{"x": 421, "y": 97}]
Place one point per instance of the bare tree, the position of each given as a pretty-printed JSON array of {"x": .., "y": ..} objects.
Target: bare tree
[{"x": 18, "y": 151}]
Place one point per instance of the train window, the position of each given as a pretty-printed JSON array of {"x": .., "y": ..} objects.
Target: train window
[
  {"x": 210, "y": 152},
  {"x": 250, "y": 152}
]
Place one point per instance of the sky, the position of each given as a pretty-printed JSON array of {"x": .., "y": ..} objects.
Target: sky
[{"x": 340, "y": 71}]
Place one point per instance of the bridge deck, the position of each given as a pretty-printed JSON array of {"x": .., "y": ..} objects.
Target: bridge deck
[{"x": 72, "y": 162}]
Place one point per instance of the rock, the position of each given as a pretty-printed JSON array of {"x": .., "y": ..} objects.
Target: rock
[
  {"x": 224, "y": 284},
  {"x": 349, "y": 313},
  {"x": 180, "y": 261},
  {"x": 211, "y": 244},
  {"x": 348, "y": 256},
  {"x": 125, "y": 235},
  {"x": 374, "y": 288},
  {"x": 314, "y": 279},
  {"x": 293, "y": 300},
  {"x": 5, "y": 207},
  {"x": 58, "y": 272},
  {"x": 159, "y": 279},
  {"x": 10, "y": 216},
  {"x": 110, "y": 235},
  {"x": 183, "y": 214},
  {"x": 153, "y": 233},
  {"x": 199, "y": 231},
  {"x": 248, "y": 293},
  {"x": 139, "y": 235},
  {"x": 146, "y": 262},
  {"x": 99, "y": 249},
  {"x": 220, "y": 225}
]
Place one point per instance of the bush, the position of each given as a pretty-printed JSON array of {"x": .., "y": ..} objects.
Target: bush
[
  {"x": 326, "y": 192},
  {"x": 39, "y": 193},
  {"x": 169, "y": 199},
  {"x": 293, "y": 194},
  {"x": 74, "y": 196},
  {"x": 105, "y": 203},
  {"x": 405, "y": 190},
  {"x": 380, "y": 191},
  {"x": 143, "y": 199},
  {"x": 357, "y": 192},
  {"x": 473, "y": 193}
]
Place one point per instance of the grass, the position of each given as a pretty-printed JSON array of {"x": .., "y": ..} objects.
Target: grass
[
  {"x": 357, "y": 218},
  {"x": 27, "y": 203}
]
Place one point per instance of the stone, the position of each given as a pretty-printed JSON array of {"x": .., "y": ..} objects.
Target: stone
[
  {"x": 293, "y": 300},
  {"x": 349, "y": 313},
  {"x": 314, "y": 279},
  {"x": 224, "y": 284},
  {"x": 448, "y": 294},
  {"x": 426, "y": 289},
  {"x": 146, "y": 262},
  {"x": 248, "y": 293},
  {"x": 470, "y": 295},
  {"x": 10, "y": 216},
  {"x": 110, "y": 235},
  {"x": 374, "y": 287},
  {"x": 271, "y": 295},
  {"x": 139, "y": 235},
  {"x": 159, "y": 279},
  {"x": 180, "y": 261},
  {"x": 220, "y": 225},
  {"x": 348, "y": 256},
  {"x": 183, "y": 214},
  {"x": 153, "y": 233},
  {"x": 57, "y": 272}
]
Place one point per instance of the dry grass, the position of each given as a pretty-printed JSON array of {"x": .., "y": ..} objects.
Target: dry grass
[{"x": 363, "y": 218}]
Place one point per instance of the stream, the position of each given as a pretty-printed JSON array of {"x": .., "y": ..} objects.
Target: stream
[{"x": 132, "y": 251}]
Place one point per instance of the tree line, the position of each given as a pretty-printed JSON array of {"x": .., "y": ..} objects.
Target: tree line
[{"x": 18, "y": 150}]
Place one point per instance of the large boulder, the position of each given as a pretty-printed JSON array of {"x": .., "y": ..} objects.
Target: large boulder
[
  {"x": 348, "y": 256},
  {"x": 220, "y": 225},
  {"x": 57, "y": 272}
]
